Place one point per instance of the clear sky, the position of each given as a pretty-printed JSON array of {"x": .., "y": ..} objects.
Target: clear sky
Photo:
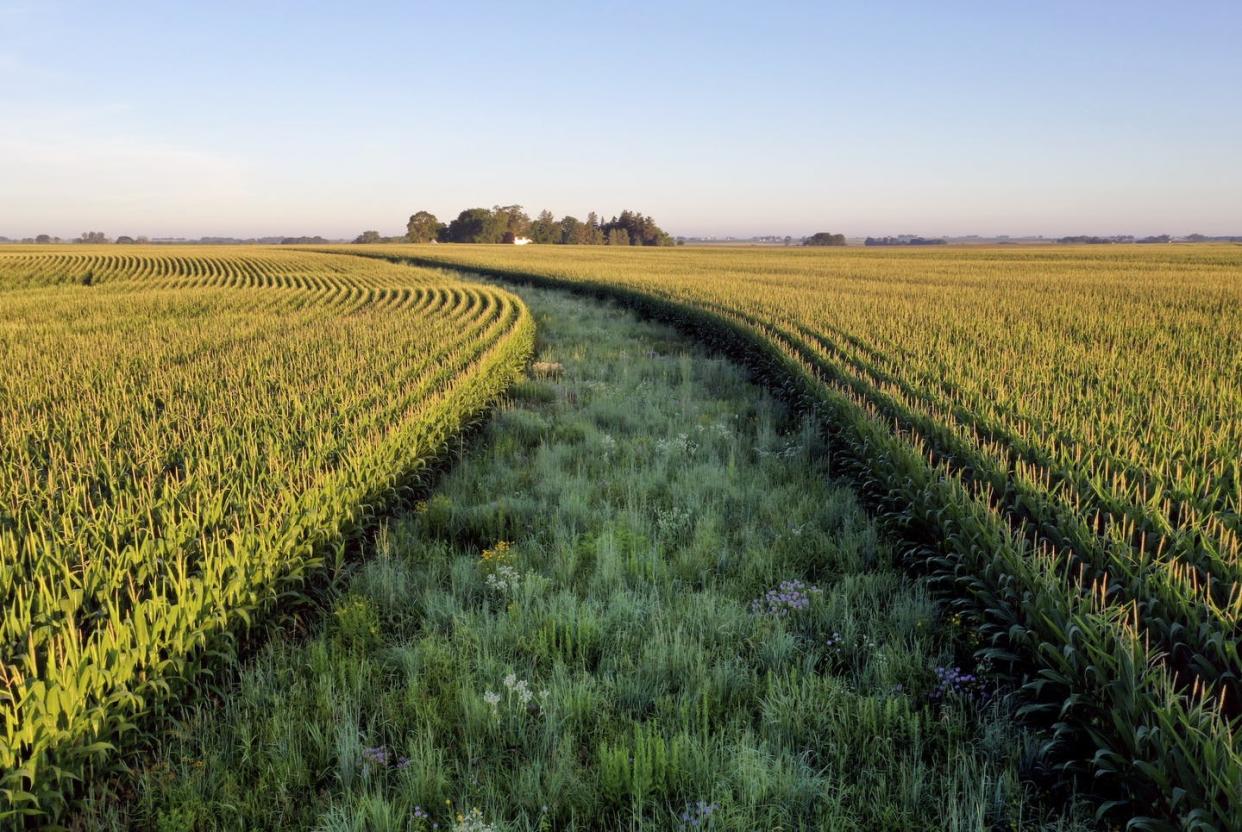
[{"x": 254, "y": 118}]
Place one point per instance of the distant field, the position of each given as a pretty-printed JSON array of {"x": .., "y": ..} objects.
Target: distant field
[
  {"x": 1056, "y": 431},
  {"x": 187, "y": 434}
]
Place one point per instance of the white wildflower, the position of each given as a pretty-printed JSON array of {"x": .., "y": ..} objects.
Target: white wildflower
[{"x": 504, "y": 579}]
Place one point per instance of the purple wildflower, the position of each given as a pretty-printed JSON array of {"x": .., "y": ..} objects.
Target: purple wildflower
[
  {"x": 790, "y": 596},
  {"x": 694, "y": 815},
  {"x": 953, "y": 681}
]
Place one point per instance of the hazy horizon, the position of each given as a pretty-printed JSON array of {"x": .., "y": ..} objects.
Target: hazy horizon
[{"x": 1111, "y": 118}]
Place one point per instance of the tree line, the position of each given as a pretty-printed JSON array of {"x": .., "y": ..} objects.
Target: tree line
[
  {"x": 506, "y": 223},
  {"x": 100, "y": 238},
  {"x": 905, "y": 240},
  {"x": 1118, "y": 238}
]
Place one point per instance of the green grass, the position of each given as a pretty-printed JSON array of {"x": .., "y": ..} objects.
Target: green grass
[{"x": 650, "y": 494}]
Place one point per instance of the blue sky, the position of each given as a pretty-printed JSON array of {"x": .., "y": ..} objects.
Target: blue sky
[{"x": 717, "y": 118}]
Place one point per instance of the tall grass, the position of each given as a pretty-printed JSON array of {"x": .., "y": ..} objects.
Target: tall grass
[{"x": 640, "y": 602}]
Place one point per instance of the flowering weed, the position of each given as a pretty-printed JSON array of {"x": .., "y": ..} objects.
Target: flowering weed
[
  {"x": 472, "y": 821},
  {"x": 500, "y": 553},
  {"x": 696, "y": 815},
  {"x": 505, "y": 579},
  {"x": 790, "y": 597}
]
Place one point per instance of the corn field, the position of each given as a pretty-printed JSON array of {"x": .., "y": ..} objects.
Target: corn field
[
  {"x": 188, "y": 435},
  {"x": 1055, "y": 433}
]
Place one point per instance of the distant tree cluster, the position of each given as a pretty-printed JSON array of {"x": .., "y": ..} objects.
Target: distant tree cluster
[
  {"x": 1088, "y": 239},
  {"x": 506, "y": 223},
  {"x": 633, "y": 229},
  {"x": 1202, "y": 238},
  {"x": 905, "y": 240},
  {"x": 479, "y": 225},
  {"x": 824, "y": 238},
  {"x": 99, "y": 237},
  {"x": 93, "y": 238},
  {"x": 227, "y": 241},
  {"x": 1118, "y": 238},
  {"x": 368, "y": 237}
]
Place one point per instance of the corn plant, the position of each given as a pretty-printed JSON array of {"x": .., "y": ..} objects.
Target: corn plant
[{"x": 189, "y": 435}]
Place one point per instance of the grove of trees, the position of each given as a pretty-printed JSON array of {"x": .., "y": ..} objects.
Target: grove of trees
[
  {"x": 905, "y": 240},
  {"x": 824, "y": 238},
  {"x": 1121, "y": 238},
  {"x": 507, "y": 222}
]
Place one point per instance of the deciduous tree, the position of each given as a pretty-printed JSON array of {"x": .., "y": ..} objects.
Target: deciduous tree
[
  {"x": 572, "y": 231},
  {"x": 423, "y": 227},
  {"x": 474, "y": 225}
]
